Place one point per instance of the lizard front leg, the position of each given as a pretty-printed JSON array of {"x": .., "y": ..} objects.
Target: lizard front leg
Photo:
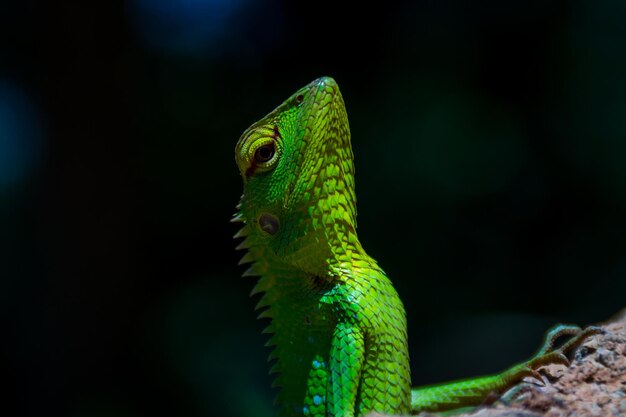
[{"x": 346, "y": 363}]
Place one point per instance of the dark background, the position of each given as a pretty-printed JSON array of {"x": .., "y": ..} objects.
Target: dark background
[{"x": 490, "y": 149}]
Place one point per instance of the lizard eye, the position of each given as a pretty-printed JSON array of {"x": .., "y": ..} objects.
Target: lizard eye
[
  {"x": 264, "y": 153},
  {"x": 258, "y": 150}
]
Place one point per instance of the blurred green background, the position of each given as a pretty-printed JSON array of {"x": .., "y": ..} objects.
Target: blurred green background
[{"x": 490, "y": 151}]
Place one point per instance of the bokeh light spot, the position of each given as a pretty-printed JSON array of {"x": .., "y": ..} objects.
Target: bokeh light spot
[
  {"x": 20, "y": 131},
  {"x": 192, "y": 27}
]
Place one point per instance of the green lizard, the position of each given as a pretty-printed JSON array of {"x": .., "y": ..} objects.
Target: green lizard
[{"x": 338, "y": 326}]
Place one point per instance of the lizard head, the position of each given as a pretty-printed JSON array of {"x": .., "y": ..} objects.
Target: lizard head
[{"x": 298, "y": 175}]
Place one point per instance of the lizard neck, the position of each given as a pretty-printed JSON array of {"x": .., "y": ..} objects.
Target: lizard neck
[
  {"x": 328, "y": 249},
  {"x": 319, "y": 240}
]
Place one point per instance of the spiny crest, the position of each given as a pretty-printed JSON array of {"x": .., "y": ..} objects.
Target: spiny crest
[{"x": 264, "y": 286}]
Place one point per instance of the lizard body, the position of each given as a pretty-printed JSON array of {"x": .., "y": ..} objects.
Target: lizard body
[{"x": 339, "y": 333}]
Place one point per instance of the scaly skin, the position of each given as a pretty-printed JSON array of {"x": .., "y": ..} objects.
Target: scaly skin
[{"x": 338, "y": 325}]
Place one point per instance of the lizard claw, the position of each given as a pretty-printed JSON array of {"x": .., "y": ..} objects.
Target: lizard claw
[
  {"x": 578, "y": 339},
  {"x": 554, "y": 334},
  {"x": 535, "y": 374},
  {"x": 549, "y": 355},
  {"x": 549, "y": 358}
]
